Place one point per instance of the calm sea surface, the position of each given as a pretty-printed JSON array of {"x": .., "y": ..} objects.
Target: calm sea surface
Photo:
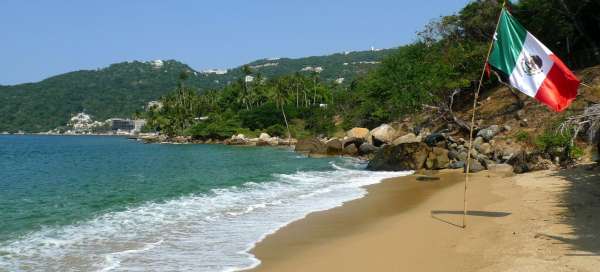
[{"x": 112, "y": 204}]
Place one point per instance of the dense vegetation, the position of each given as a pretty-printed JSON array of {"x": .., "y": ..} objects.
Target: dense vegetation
[
  {"x": 124, "y": 88},
  {"x": 447, "y": 55}
]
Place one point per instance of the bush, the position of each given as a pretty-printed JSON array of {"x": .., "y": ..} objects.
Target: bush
[
  {"x": 319, "y": 121},
  {"x": 577, "y": 152},
  {"x": 558, "y": 145},
  {"x": 216, "y": 127},
  {"x": 549, "y": 140},
  {"x": 522, "y": 136},
  {"x": 297, "y": 128},
  {"x": 261, "y": 117},
  {"x": 265, "y": 116},
  {"x": 276, "y": 130},
  {"x": 247, "y": 132}
]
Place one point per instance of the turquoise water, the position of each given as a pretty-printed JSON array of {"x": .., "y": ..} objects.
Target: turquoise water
[{"x": 109, "y": 203}]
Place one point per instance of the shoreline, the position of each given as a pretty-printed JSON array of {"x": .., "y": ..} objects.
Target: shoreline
[{"x": 515, "y": 222}]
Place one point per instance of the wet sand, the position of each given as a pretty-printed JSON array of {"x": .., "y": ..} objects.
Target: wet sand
[{"x": 518, "y": 223}]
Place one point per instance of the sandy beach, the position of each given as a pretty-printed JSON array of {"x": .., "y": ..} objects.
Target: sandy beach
[{"x": 542, "y": 221}]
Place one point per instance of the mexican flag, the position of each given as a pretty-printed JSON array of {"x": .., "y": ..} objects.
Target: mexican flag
[{"x": 530, "y": 66}]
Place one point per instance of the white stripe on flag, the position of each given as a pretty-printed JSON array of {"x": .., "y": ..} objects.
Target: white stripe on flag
[{"x": 529, "y": 78}]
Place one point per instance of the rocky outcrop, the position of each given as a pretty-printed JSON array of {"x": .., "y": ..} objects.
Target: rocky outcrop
[
  {"x": 406, "y": 139},
  {"x": 435, "y": 139},
  {"x": 440, "y": 151},
  {"x": 264, "y": 136},
  {"x": 334, "y": 147},
  {"x": 525, "y": 161},
  {"x": 474, "y": 167},
  {"x": 403, "y": 157},
  {"x": 311, "y": 146},
  {"x": 437, "y": 159},
  {"x": 239, "y": 139},
  {"x": 367, "y": 149},
  {"x": 351, "y": 150},
  {"x": 360, "y": 133},
  {"x": 489, "y": 133},
  {"x": 382, "y": 134},
  {"x": 352, "y": 141}
]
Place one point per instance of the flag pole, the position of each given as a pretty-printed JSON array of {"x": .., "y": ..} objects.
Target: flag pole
[{"x": 468, "y": 169}]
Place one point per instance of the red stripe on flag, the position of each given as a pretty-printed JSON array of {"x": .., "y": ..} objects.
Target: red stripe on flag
[{"x": 560, "y": 87}]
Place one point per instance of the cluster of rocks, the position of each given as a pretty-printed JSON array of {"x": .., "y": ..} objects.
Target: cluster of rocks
[
  {"x": 263, "y": 140},
  {"x": 164, "y": 139},
  {"x": 436, "y": 151},
  {"x": 357, "y": 142}
]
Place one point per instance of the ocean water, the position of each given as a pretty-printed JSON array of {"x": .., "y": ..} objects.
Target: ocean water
[{"x": 112, "y": 204}]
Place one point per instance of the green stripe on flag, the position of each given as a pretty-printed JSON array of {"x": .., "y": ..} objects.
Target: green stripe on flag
[{"x": 508, "y": 43}]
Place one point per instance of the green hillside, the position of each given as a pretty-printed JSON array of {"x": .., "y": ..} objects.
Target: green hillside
[{"x": 124, "y": 88}]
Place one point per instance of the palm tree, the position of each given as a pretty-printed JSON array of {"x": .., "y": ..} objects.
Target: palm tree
[
  {"x": 247, "y": 71},
  {"x": 315, "y": 76},
  {"x": 279, "y": 95}
]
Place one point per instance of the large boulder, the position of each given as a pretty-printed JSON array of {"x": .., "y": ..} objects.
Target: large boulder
[
  {"x": 382, "y": 134},
  {"x": 312, "y": 146},
  {"x": 406, "y": 139},
  {"x": 525, "y": 162},
  {"x": 261, "y": 142},
  {"x": 367, "y": 148},
  {"x": 351, "y": 140},
  {"x": 403, "y": 157},
  {"x": 503, "y": 170},
  {"x": 474, "y": 167},
  {"x": 334, "y": 147},
  {"x": 489, "y": 133},
  {"x": 351, "y": 150},
  {"x": 485, "y": 149},
  {"x": 361, "y": 133},
  {"x": 477, "y": 143},
  {"x": 239, "y": 139},
  {"x": 271, "y": 141},
  {"x": 519, "y": 162},
  {"x": 264, "y": 136},
  {"x": 457, "y": 165},
  {"x": 435, "y": 139},
  {"x": 437, "y": 159}
]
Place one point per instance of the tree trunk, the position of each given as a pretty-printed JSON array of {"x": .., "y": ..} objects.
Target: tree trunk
[
  {"x": 305, "y": 98},
  {"x": 297, "y": 98},
  {"x": 315, "y": 92},
  {"x": 287, "y": 126}
]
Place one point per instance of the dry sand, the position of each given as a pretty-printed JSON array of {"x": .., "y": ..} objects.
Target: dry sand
[{"x": 543, "y": 221}]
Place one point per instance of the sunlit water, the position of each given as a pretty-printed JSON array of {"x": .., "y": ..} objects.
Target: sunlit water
[{"x": 112, "y": 204}]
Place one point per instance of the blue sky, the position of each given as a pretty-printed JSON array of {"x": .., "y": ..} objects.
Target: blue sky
[{"x": 45, "y": 38}]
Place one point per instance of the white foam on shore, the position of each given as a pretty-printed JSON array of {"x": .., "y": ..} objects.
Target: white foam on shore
[{"x": 212, "y": 232}]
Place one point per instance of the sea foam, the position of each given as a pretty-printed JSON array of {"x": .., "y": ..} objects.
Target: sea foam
[{"x": 210, "y": 232}]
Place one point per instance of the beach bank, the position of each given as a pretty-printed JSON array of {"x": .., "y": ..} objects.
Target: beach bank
[{"x": 541, "y": 221}]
